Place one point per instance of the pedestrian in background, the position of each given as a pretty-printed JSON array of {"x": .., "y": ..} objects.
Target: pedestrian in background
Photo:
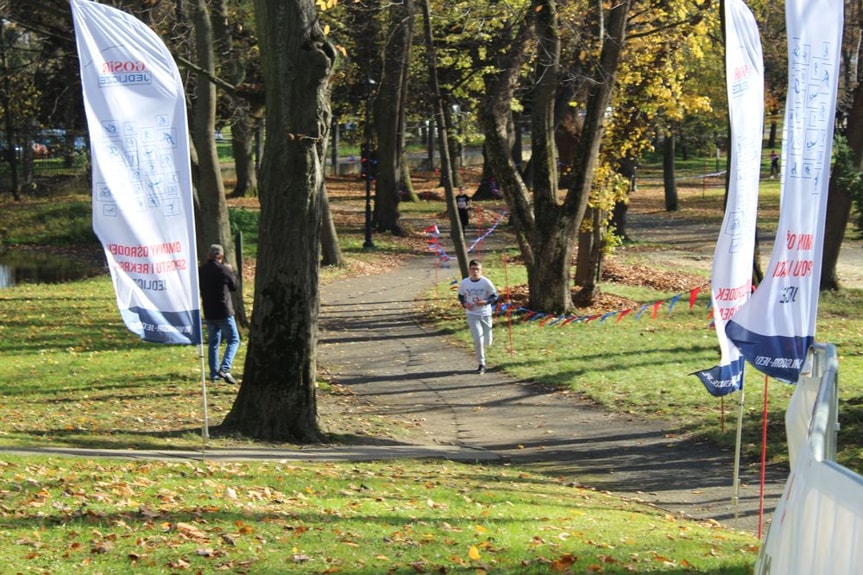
[
  {"x": 217, "y": 282},
  {"x": 462, "y": 203},
  {"x": 774, "y": 164},
  {"x": 477, "y": 296}
]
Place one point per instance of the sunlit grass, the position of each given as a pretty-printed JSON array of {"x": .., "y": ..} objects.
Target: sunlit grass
[{"x": 74, "y": 515}]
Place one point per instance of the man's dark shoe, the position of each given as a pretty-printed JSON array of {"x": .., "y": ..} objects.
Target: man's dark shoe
[
  {"x": 480, "y": 370},
  {"x": 226, "y": 375}
]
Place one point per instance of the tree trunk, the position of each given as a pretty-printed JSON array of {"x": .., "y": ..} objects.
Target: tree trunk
[
  {"x": 548, "y": 278},
  {"x": 276, "y": 401},
  {"x": 672, "y": 203},
  {"x": 454, "y": 145},
  {"x": 487, "y": 188},
  {"x": 839, "y": 202},
  {"x": 456, "y": 233},
  {"x": 495, "y": 117},
  {"x": 243, "y": 148},
  {"x": 242, "y": 121},
  {"x": 599, "y": 93},
  {"x": 590, "y": 246},
  {"x": 331, "y": 252},
  {"x": 389, "y": 116},
  {"x": 213, "y": 225},
  {"x": 406, "y": 184}
]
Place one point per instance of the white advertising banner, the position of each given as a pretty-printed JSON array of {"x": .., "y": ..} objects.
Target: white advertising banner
[
  {"x": 775, "y": 328},
  {"x": 142, "y": 184},
  {"x": 731, "y": 280}
]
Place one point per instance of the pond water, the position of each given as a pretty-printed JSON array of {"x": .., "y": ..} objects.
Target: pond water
[{"x": 36, "y": 267}]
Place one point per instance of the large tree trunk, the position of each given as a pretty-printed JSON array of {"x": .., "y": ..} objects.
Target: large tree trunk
[
  {"x": 546, "y": 234},
  {"x": 548, "y": 277},
  {"x": 276, "y": 401},
  {"x": 389, "y": 120},
  {"x": 558, "y": 248},
  {"x": 839, "y": 201}
]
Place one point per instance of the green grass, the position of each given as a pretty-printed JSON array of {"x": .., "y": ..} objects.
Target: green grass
[
  {"x": 74, "y": 376},
  {"x": 77, "y": 377},
  {"x": 50, "y": 221},
  {"x": 68, "y": 516}
]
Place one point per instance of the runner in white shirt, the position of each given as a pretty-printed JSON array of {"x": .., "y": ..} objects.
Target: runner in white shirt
[{"x": 477, "y": 296}]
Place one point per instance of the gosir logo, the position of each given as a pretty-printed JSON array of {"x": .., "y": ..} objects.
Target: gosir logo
[{"x": 123, "y": 73}]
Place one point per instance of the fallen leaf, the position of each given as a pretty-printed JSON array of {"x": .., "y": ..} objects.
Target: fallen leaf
[
  {"x": 564, "y": 562},
  {"x": 189, "y": 530},
  {"x": 101, "y": 548}
]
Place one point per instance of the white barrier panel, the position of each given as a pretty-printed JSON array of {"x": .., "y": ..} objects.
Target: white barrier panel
[
  {"x": 818, "y": 525},
  {"x": 817, "y": 528}
]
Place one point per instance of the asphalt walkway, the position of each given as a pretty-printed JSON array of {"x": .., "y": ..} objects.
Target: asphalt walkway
[{"x": 372, "y": 342}]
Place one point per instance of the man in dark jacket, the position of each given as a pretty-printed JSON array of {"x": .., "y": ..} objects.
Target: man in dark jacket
[{"x": 217, "y": 282}]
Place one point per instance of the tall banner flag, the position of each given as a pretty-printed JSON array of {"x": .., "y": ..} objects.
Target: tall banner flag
[
  {"x": 775, "y": 328},
  {"x": 142, "y": 181},
  {"x": 735, "y": 248}
]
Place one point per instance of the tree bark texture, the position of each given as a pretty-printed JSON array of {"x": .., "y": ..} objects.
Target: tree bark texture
[
  {"x": 331, "y": 251},
  {"x": 495, "y": 118},
  {"x": 243, "y": 147},
  {"x": 276, "y": 401},
  {"x": 212, "y": 225},
  {"x": 548, "y": 278},
  {"x": 839, "y": 202},
  {"x": 389, "y": 112}
]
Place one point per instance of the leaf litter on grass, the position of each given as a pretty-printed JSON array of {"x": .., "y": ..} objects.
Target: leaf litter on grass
[{"x": 60, "y": 516}]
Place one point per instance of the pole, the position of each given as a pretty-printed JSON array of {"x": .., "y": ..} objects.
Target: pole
[
  {"x": 508, "y": 303},
  {"x": 737, "y": 449},
  {"x": 334, "y": 145},
  {"x": 763, "y": 460},
  {"x": 205, "y": 429},
  {"x": 368, "y": 244}
]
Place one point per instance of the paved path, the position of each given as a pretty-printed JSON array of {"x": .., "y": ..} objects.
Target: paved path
[{"x": 373, "y": 343}]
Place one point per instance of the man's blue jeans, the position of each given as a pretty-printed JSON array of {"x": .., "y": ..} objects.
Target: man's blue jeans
[{"x": 217, "y": 330}]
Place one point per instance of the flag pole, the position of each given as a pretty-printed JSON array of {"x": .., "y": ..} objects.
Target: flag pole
[
  {"x": 205, "y": 430},
  {"x": 508, "y": 302},
  {"x": 737, "y": 448},
  {"x": 763, "y": 459}
]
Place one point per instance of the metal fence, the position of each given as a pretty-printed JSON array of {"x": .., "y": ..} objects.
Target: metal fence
[{"x": 818, "y": 525}]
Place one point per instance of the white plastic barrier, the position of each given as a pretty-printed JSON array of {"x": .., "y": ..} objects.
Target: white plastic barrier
[{"x": 817, "y": 528}]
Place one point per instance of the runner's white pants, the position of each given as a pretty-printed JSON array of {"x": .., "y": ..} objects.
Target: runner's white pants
[{"x": 480, "y": 329}]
